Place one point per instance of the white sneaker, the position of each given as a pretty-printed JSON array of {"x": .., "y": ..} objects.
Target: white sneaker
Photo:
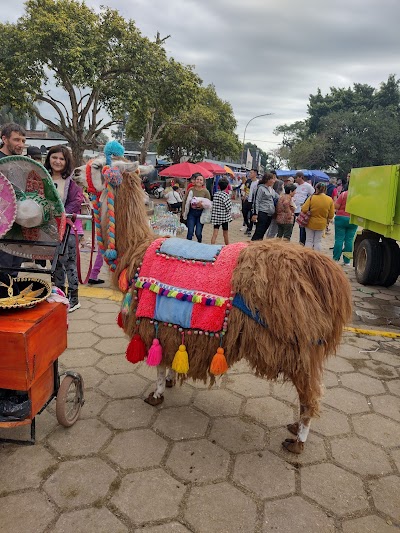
[
  {"x": 74, "y": 308},
  {"x": 243, "y": 228},
  {"x": 345, "y": 264}
]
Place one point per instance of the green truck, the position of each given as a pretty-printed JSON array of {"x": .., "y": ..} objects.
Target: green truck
[{"x": 374, "y": 205}]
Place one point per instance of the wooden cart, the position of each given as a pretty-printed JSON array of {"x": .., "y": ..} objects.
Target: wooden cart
[{"x": 31, "y": 340}]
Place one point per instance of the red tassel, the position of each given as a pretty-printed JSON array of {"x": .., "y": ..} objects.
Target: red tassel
[
  {"x": 218, "y": 364},
  {"x": 136, "y": 350},
  {"x": 154, "y": 357},
  {"x": 119, "y": 320}
]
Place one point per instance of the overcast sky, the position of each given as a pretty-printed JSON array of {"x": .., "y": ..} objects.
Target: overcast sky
[{"x": 268, "y": 56}]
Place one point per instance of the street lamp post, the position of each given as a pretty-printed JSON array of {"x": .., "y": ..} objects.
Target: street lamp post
[{"x": 244, "y": 134}]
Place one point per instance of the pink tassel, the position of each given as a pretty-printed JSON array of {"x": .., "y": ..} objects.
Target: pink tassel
[{"x": 154, "y": 356}]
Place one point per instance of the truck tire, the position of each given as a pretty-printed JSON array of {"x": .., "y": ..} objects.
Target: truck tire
[
  {"x": 390, "y": 263},
  {"x": 368, "y": 262}
]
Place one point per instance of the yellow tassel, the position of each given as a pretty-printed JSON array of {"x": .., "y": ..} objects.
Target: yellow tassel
[
  {"x": 218, "y": 364},
  {"x": 181, "y": 361}
]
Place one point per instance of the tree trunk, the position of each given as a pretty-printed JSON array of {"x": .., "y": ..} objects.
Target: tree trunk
[
  {"x": 77, "y": 149},
  {"x": 147, "y": 138}
]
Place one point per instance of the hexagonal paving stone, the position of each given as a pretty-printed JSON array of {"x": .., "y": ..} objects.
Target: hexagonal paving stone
[
  {"x": 81, "y": 482},
  {"x": 394, "y": 386},
  {"x": 295, "y": 515},
  {"x": 360, "y": 456},
  {"x": 248, "y": 385},
  {"x": 198, "y": 461},
  {"x": 113, "y": 346},
  {"x": 171, "y": 527},
  {"x": 176, "y": 396},
  {"x": 396, "y": 458},
  {"x": 94, "y": 403},
  {"x": 99, "y": 520},
  {"x": 377, "y": 429},
  {"x": 139, "y": 448},
  {"x": 314, "y": 449},
  {"x": 352, "y": 353},
  {"x": 105, "y": 318},
  {"x": 24, "y": 467},
  {"x": 338, "y": 364},
  {"x": 264, "y": 474},
  {"x": 363, "y": 384},
  {"x": 387, "y": 405},
  {"x": 81, "y": 326},
  {"x": 91, "y": 376},
  {"x": 220, "y": 508},
  {"x": 330, "y": 423},
  {"x": 116, "y": 364},
  {"x": 346, "y": 401},
  {"x": 269, "y": 411},
  {"x": 321, "y": 482},
  {"x": 108, "y": 307},
  {"x": 388, "y": 358},
  {"x": 109, "y": 331},
  {"x": 236, "y": 435},
  {"x": 128, "y": 414},
  {"x": 385, "y": 492},
  {"x": 181, "y": 423},
  {"x": 362, "y": 343},
  {"x": 218, "y": 402},
  {"x": 77, "y": 358},
  {"x": 83, "y": 438},
  {"x": 378, "y": 370},
  {"x": 149, "y": 495},
  {"x": 82, "y": 340},
  {"x": 286, "y": 392},
  {"x": 30, "y": 512},
  {"x": 241, "y": 367},
  {"x": 123, "y": 386},
  {"x": 330, "y": 379},
  {"x": 368, "y": 524}
]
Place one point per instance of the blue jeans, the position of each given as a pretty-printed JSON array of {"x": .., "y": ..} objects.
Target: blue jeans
[
  {"x": 193, "y": 221},
  {"x": 344, "y": 234}
]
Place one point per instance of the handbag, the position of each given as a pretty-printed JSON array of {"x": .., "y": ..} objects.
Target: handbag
[
  {"x": 304, "y": 217},
  {"x": 205, "y": 217}
]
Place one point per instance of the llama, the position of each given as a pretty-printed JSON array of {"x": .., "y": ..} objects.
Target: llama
[{"x": 286, "y": 315}]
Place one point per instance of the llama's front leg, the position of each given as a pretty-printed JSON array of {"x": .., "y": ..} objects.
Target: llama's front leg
[
  {"x": 157, "y": 397},
  {"x": 301, "y": 430}
]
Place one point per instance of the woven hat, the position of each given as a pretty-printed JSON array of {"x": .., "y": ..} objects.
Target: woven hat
[
  {"x": 40, "y": 212},
  {"x": 18, "y": 293},
  {"x": 8, "y": 205}
]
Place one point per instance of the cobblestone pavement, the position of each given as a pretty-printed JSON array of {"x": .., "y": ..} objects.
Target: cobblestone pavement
[{"x": 211, "y": 460}]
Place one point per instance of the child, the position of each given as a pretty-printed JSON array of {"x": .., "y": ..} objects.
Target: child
[{"x": 221, "y": 212}]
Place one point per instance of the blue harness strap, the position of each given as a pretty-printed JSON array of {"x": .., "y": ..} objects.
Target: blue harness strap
[{"x": 241, "y": 305}]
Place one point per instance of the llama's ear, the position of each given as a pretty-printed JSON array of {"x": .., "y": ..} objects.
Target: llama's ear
[{"x": 131, "y": 167}]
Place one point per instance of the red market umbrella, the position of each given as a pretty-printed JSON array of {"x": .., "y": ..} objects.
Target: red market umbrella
[
  {"x": 184, "y": 170},
  {"x": 212, "y": 167}
]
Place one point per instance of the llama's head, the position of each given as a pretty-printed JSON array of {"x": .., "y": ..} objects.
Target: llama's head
[{"x": 91, "y": 175}]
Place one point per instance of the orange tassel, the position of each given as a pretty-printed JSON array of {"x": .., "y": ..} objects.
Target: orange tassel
[
  {"x": 123, "y": 283},
  {"x": 218, "y": 364}
]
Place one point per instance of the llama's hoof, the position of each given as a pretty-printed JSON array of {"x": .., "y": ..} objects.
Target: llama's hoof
[
  {"x": 169, "y": 383},
  {"x": 154, "y": 401},
  {"x": 293, "y": 428},
  {"x": 293, "y": 445}
]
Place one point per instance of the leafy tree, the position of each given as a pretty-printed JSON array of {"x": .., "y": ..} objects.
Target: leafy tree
[
  {"x": 205, "y": 129},
  {"x": 172, "y": 91},
  {"x": 99, "y": 60},
  {"x": 23, "y": 118}
]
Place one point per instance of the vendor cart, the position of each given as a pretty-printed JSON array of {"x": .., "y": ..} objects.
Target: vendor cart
[{"x": 33, "y": 331}]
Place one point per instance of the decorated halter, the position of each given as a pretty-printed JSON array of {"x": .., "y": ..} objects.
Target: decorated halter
[{"x": 112, "y": 178}]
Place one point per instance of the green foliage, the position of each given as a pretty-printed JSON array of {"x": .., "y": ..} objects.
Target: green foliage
[
  {"x": 205, "y": 129},
  {"x": 353, "y": 127}
]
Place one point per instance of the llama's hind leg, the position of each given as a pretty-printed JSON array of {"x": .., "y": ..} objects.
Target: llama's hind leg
[
  {"x": 300, "y": 429},
  {"x": 157, "y": 397},
  {"x": 171, "y": 378}
]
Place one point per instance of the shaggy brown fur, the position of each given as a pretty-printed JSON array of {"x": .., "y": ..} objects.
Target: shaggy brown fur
[{"x": 302, "y": 296}]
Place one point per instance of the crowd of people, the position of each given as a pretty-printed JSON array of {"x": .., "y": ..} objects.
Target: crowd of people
[{"x": 272, "y": 206}]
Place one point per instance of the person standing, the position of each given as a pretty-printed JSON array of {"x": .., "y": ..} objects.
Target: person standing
[
  {"x": 285, "y": 212},
  {"x": 13, "y": 138},
  {"x": 59, "y": 165},
  {"x": 192, "y": 209},
  {"x": 264, "y": 205},
  {"x": 303, "y": 191},
  {"x": 248, "y": 204},
  {"x": 174, "y": 199},
  {"x": 322, "y": 212},
  {"x": 344, "y": 230},
  {"x": 221, "y": 213}
]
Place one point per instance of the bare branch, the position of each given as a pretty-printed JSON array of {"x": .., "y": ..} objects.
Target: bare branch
[
  {"x": 93, "y": 96},
  {"x": 54, "y": 105},
  {"x": 157, "y": 133}
]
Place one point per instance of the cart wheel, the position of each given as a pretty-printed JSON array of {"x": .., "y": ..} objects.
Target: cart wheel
[{"x": 69, "y": 401}]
